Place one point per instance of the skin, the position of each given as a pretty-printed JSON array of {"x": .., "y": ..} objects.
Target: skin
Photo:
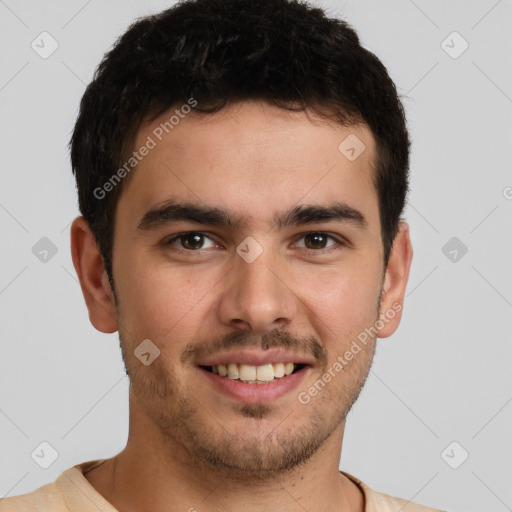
[{"x": 189, "y": 445}]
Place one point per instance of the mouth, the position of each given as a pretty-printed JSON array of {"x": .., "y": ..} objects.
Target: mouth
[
  {"x": 251, "y": 374},
  {"x": 255, "y": 384}
]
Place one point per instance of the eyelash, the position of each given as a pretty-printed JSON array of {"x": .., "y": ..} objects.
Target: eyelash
[{"x": 339, "y": 242}]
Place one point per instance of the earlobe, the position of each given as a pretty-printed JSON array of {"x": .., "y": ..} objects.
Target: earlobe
[
  {"x": 395, "y": 281},
  {"x": 89, "y": 267}
]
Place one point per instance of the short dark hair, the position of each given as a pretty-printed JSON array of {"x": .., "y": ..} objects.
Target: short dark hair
[{"x": 284, "y": 52}]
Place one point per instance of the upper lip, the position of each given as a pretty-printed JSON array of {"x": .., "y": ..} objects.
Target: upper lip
[{"x": 255, "y": 358}]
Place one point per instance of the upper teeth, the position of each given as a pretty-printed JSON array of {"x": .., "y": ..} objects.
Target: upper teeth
[{"x": 254, "y": 374}]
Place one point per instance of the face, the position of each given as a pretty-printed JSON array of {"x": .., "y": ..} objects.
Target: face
[{"x": 248, "y": 237}]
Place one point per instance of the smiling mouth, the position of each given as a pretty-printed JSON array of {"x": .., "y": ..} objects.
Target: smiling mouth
[{"x": 255, "y": 374}]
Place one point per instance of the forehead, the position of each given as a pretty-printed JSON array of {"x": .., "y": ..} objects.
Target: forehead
[{"x": 254, "y": 157}]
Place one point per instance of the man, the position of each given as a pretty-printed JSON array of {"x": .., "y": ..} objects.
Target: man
[{"x": 242, "y": 166}]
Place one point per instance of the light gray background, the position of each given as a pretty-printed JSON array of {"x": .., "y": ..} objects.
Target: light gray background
[{"x": 444, "y": 376}]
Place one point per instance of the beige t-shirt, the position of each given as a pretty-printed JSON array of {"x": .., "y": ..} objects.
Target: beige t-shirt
[{"x": 72, "y": 492}]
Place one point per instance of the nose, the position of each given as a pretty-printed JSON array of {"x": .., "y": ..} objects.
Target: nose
[{"x": 258, "y": 296}]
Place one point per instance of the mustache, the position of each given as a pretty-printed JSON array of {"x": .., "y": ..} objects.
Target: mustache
[{"x": 271, "y": 339}]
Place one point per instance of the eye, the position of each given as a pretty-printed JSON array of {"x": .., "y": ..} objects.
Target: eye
[
  {"x": 190, "y": 241},
  {"x": 195, "y": 241},
  {"x": 317, "y": 240}
]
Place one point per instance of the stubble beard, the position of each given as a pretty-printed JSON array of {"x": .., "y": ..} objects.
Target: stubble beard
[{"x": 243, "y": 456}]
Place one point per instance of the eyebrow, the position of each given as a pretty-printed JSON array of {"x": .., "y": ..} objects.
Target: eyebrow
[{"x": 175, "y": 211}]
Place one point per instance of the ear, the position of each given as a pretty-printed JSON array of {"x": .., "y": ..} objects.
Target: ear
[
  {"x": 89, "y": 266},
  {"x": 395, "y": 281}
]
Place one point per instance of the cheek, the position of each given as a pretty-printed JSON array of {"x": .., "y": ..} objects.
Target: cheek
[
  {"x": 157, "y": 300},
  {"x": 341, "y": 303}
]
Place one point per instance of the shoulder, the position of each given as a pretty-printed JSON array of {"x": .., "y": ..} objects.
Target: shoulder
[
  {"x": 379, "y": 502},
  {"x": 45, "y": 498},
  {"x": 71, "y": 491},
  {"x": 399, "y": 504}
]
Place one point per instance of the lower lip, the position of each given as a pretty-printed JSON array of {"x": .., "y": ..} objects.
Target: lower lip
[{"x": 256, "y": 393}]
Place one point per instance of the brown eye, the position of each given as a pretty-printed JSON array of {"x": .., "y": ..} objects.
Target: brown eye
[
  {"x": 317, "y": 241},
  {"x": 190, "y": 241}
]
